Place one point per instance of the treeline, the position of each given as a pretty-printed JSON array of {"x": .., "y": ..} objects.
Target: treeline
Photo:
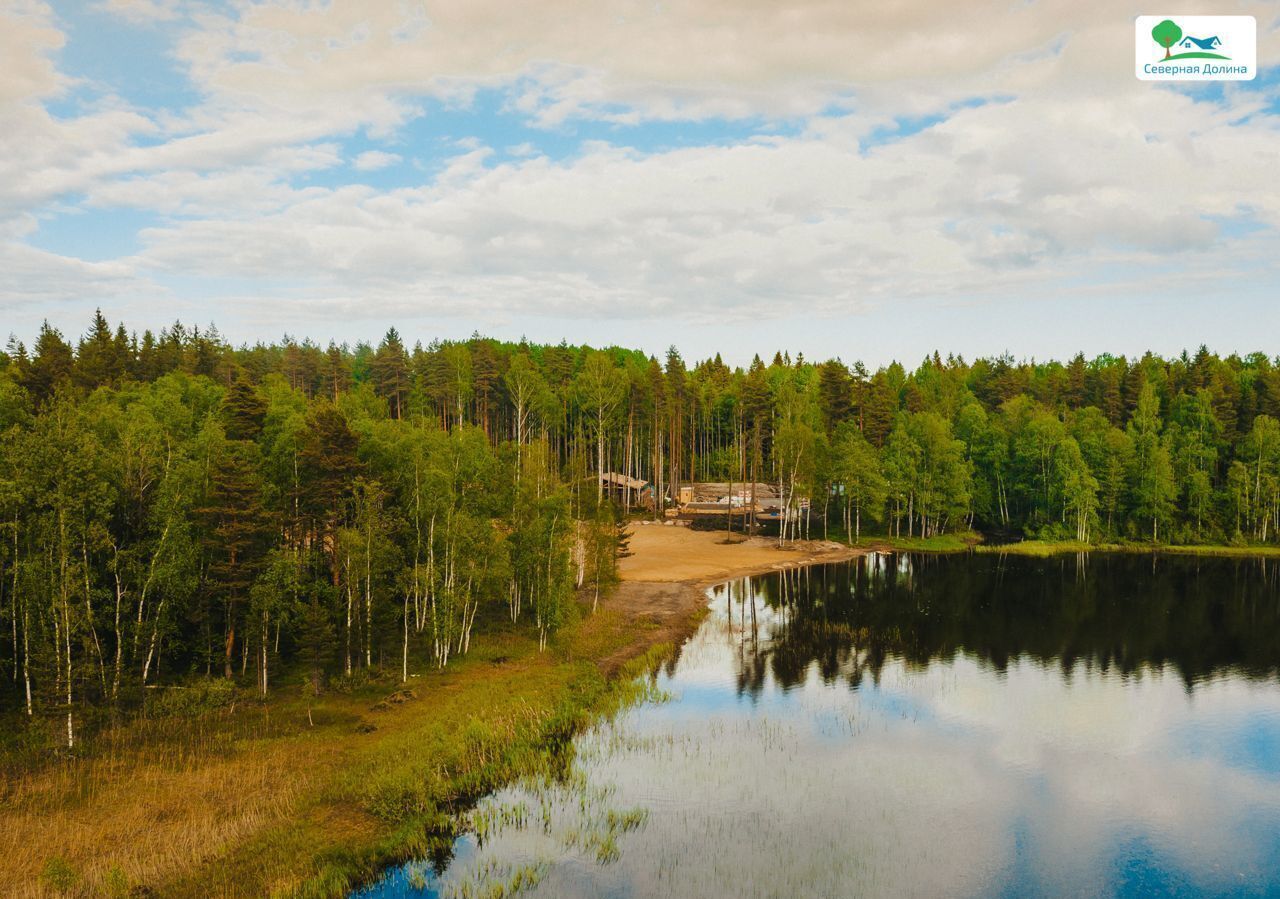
[
  {"x": 205, "y": 517},
  {"x": 172, "y": 504}
]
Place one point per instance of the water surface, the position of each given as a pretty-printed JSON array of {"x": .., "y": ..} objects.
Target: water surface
[{"x": 907, "y": 725}]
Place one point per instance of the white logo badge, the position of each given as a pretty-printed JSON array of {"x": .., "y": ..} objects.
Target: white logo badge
[{"x": 1195, "y": 48}]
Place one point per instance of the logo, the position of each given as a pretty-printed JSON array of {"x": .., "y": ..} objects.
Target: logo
[{"x": 1195, "y": 48}]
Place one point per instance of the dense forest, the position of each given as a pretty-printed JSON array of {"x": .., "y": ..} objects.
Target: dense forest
[{"x": 173, "y": 506}]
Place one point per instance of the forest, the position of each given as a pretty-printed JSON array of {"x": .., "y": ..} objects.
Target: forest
[{"x": 174, "y": 507}]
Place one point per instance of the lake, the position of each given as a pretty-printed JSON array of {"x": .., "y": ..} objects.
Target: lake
[{"x": 913, "y": 725}]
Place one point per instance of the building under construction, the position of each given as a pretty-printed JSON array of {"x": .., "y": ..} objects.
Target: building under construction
[
  {"x": 703, "y": 503},
  {"x": 631, "y": 493},
  {"x": 759, "y": 502}
]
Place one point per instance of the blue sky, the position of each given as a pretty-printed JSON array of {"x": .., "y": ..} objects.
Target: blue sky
[{"x": 850, "y": 181}]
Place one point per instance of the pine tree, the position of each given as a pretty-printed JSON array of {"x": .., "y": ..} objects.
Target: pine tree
[
  {"x": 881, "y": 409},
  {"x": 147, "y": 368},
  {"x": 243, "y": 410},
  {"x": 238, "y": 528},
  {"x": 337, "y": 373},
  {"x": 328, "y": 468},
  {"x": 484, "y": 368}
]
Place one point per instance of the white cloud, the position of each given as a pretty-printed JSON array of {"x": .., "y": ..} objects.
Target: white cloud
[
  {"x": 32, "y": 276},
  {"x": 372, "y": 160},
  {"x": 27, "y": 39},
  {"x": 815, "y": 223},
  {"x": 631, "y": 59},
  {"x": 143, "y": 12}
]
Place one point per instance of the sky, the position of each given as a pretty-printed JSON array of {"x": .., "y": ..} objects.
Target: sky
[{"x": 841, "y": 178}]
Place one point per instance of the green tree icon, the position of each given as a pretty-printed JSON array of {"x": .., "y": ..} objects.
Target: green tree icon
[{"x": 1166, "y": 34}]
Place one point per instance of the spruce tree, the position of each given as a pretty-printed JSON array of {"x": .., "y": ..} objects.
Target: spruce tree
[
  {"x": 98, "y": 360},
  {"x": 51, "y": 364},
  {"x": 317, "y": 638},
  {"x": 390, "y": 371},
  {"x": 835, "y": 393}
]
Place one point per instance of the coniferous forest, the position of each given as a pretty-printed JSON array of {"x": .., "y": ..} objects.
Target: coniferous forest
[{"x": 171, "y": 505}]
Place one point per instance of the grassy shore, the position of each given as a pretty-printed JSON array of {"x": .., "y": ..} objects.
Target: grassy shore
[
  {"x": 965, "y": 542},
  {"x": 298, "y": 796},
  {"x": 939, "y": 543},
  {"x": 1044, "y": 548}
]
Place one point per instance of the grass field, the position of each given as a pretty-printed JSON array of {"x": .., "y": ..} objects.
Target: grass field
[{"x": 306, "y": 797}]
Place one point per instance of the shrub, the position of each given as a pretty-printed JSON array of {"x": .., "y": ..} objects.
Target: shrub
[
  {"x": 58, "y": 875},
  {"x": 193, "y": 700}
]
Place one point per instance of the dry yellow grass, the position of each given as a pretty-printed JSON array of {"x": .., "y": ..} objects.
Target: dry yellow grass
[
  {"x": 233, "y": 806},
  {"x": 135, "y": 815}
]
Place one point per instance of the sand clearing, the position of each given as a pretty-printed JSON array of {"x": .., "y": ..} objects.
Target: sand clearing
[
  {"x": 664, "y": 581},
  {"x": 673, "y": 553}
]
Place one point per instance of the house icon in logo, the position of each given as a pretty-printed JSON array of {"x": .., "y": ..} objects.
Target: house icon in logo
[
  {"x": 1200, "y": 43},
  {"x": 1168, "y": 34}
]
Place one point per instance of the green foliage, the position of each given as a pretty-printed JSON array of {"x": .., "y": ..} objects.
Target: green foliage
[
  {"x": 1166, "y": 34},
  {"x": 192, "y": 700},
  {"x": 172, "y": 507},
  {"x": 59, "y": 876}
]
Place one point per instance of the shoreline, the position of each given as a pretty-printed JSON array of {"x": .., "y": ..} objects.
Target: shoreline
[
  {"x": 1047, "y": 548},
  {"x": 661, "y": 614},
  {"x": 316, "y": 797},
  {"x": 384, "y": 777},
  {"x": 677, "y": 606},
  {"x": 947, "y": 544}
]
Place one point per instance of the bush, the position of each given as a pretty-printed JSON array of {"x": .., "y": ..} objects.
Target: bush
[
  {"x": 58, "y": 875},
  {"x": 117, "y": 883},
  {"x": 1056, "y": 531},
  {"x": 356, "y": 680},
  {"x": 192, "y": 701}
]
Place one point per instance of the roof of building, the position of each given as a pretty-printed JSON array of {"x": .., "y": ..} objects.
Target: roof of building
[{"x": 621, "y": 480}]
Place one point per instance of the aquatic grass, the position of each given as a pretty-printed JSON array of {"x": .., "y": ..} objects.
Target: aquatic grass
[
  {"x": 498, "y": 880},
  {"x": 429, "y": 779}
]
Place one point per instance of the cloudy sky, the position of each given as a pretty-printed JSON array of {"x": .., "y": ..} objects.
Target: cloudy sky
[{"x": 868, "y": 180}]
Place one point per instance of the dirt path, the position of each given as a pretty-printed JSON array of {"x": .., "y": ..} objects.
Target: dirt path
[{"x": 664, "y": 580}]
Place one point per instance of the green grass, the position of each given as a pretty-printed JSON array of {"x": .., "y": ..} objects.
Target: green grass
[
  {"x": 1045, "y": 548},
  {"x": 965, "y": 542},
  {"x": 940, "y": 543},
  {"x": 1236, "y": 551}
]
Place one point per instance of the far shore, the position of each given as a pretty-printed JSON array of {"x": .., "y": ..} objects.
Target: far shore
[{"x": 973, "y": 542}]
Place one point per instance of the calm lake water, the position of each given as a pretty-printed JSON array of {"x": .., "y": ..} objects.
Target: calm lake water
[{"x": 908, "y": 725}]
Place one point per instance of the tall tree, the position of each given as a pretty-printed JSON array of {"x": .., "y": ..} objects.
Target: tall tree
[
  {"x": 390, "y": 370},
  {"x": 1154, "y": 490}
]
